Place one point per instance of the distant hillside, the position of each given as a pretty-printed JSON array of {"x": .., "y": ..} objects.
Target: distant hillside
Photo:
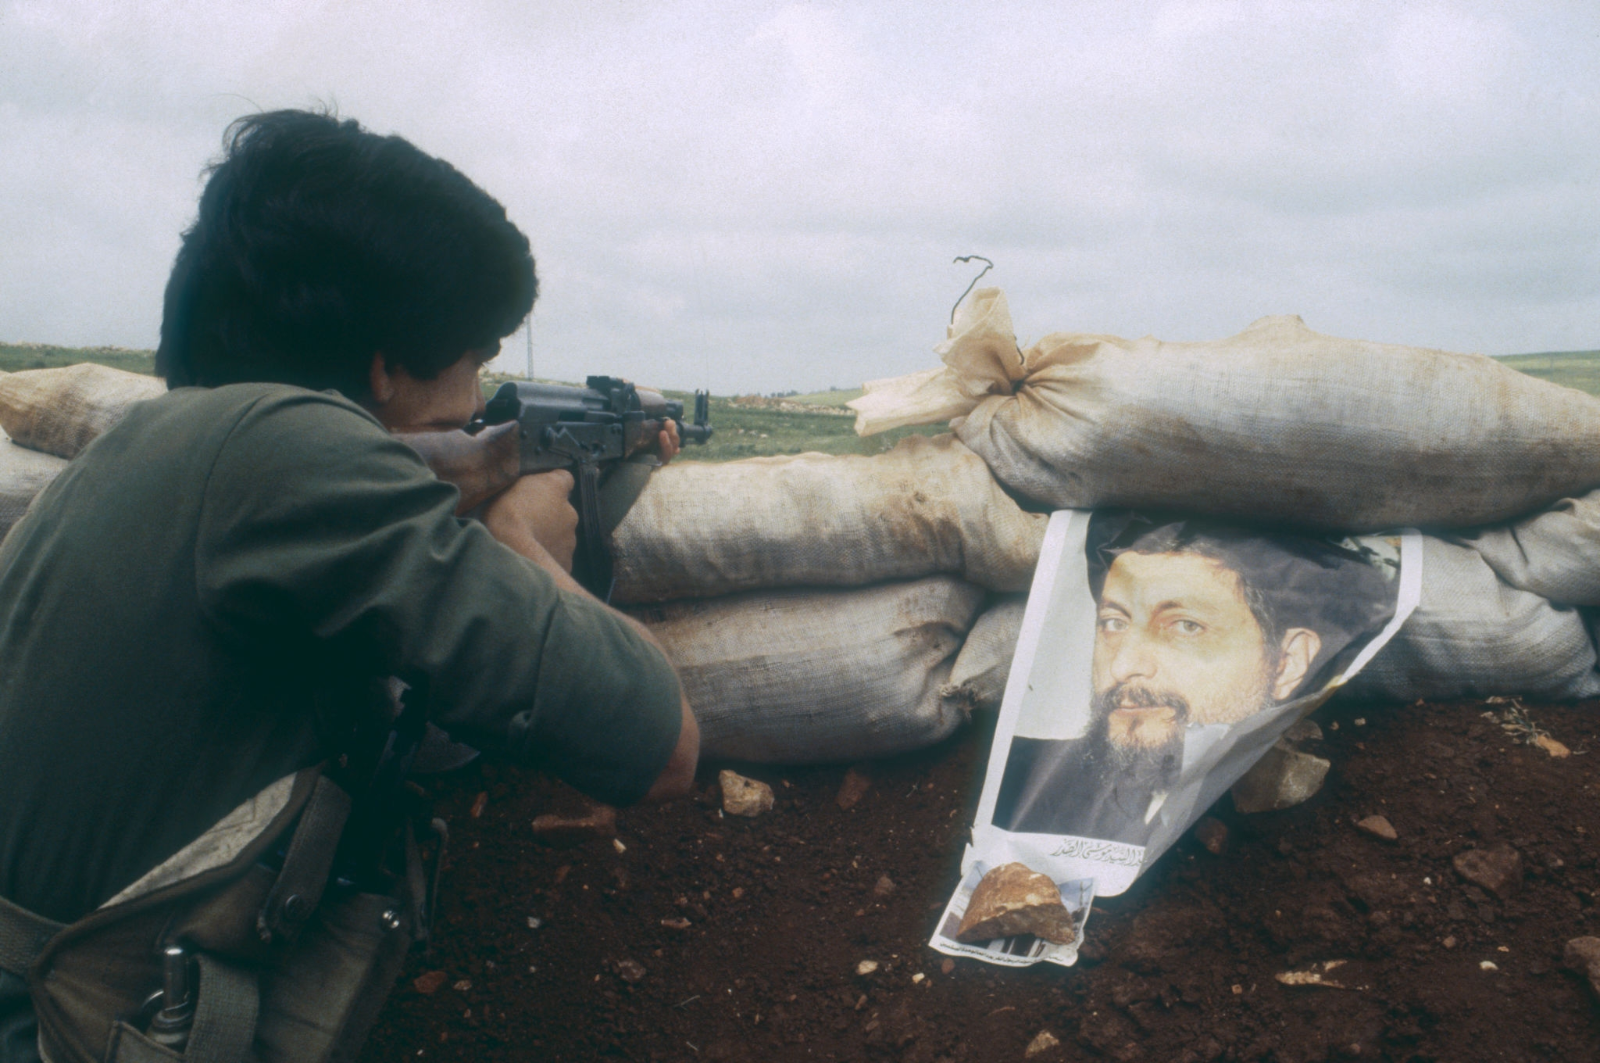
[
  {"x": 15, "y": 356},
  {"x": 1575, "y": 369}
]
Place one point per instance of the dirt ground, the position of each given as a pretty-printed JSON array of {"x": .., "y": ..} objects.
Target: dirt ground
[{"x": 698, "y": 937}]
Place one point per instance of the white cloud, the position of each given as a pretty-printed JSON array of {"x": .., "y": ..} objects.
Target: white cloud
[{"x": 761, "y": 196}]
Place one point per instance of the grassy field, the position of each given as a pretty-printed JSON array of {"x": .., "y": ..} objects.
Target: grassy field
[
  {"x": 1575, "y": 369},
  {"x": 747, "y": 430},
  {"x": 15, "y": 356}
]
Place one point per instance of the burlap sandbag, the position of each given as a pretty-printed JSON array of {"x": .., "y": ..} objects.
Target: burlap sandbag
[
  {"x": 1554, "y": 554},
  {"x": 1276, "y": 423},
  {"x": 978, "y": 679},
  {"x": 804, "y": 676},
  {"x": 60, "y": 411},
  {"x": 23, "y": 474},
  {"x": 928, "y": 506},
  {"x": 1473, "y": 635}
]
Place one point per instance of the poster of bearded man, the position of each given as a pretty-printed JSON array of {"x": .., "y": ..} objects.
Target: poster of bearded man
[{"x": 1158, "y": 659}]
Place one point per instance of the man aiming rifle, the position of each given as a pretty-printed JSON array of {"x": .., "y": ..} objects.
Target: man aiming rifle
[{"x": 203, "y": 618}]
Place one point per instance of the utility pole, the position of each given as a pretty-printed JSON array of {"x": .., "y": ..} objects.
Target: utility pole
[{"x": 529, "y": 326}]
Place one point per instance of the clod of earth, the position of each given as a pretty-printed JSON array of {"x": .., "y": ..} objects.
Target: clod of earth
[
  {"x": 564, "y": 831},
  {"x": 1013, "y": 900},
  {"x": 1498, "y": 870},
  {"x": 1327, "y": 974},
  {"x": 1213, "y": 834},
  {"x": 1378, "y": 827},
  {"x": 853, "y": 789},
  {"x": 1551, "y": 746},
  {"x": 1583, "y": 955},
  {"x": 1044, "y": 1042},
  {"x": 428, "y": 982},
  {"x": 744, "y": 797},
  {"x": 630, "y": 971},
  {"x": 1282, "y": 778},
  {"x": 884, "y": 886},
  {"x": 1303, "y": 731}
]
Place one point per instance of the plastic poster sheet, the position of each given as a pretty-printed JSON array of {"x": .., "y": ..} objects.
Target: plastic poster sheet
[{"x": 1158, "y": 660}]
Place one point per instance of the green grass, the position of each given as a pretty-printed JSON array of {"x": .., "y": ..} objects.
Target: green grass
[
  {"x": 744, "y": 431},
  {"x": 18, "y": 356},
  {"x": 1574, "y": 369}
]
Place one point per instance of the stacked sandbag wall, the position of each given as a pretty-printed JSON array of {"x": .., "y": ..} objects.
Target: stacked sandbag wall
[
  {"x": 1286, "y": 426},
  {"x": 816, "y": 605}
]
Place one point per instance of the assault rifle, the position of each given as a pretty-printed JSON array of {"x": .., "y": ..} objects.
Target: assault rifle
[{"x": 604, "y": 432}]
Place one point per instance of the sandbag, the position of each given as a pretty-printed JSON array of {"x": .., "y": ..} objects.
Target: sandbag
[
  {"x": 1473, "y": 636},
  {"x": 60, "y": 411},
  {"x": 1278, "y": 423},
  {"x": 927, "y": 506},
  {"x": 978, "y": 678},
  {"x": 1554, "y": 554},
  {"x": 23, "y": 474},
  {"x": 805, "y": 676}
]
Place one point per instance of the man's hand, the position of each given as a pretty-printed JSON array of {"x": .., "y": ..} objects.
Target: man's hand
[
  {"x": 669, "y": 444},
  {"x": 536, "y": 508}
]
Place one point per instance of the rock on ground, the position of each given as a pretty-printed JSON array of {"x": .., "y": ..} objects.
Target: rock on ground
[
  {"x": 1013, "y": 899},
  {"x": 599, "y": 822},
  {"x": 1498, "y": 870},
  {"x": 1378, "y": 827},
  {"x": 1583, "y": 955},
  {"x": 744, "y": 797},
  {"x": 1282, "y": 778}
]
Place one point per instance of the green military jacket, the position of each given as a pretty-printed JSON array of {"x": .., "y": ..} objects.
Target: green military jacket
[{"x": 182, "y": 606}]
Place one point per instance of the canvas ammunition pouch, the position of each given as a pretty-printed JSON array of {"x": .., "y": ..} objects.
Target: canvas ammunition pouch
[{"x": 282, "y": 961}]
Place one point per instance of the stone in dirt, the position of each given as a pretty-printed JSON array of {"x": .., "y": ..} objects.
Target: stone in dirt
[
  {"x": 1011, "y": 900},
  {"x": 429, "y": 982},
  {"x": 1213, "y": 834},
  {"x": 1583, "y": 955},
  {"x": 1282, "y": 778},
  {"x": 1042, "y": 1043},
  {"x": 630, "y": 971},
  {"x": 853, "y": 789},
  {"x": 563, "y": 831},
  {"x": 1498, "y": 870},
  {"x": 1378, "y": 827},
  {"x": 744, "y": 797},
  {"x": 1303, "y": 731},
  {"x": 1552, "y": 747},
  {"x": 884, "y": 887}
]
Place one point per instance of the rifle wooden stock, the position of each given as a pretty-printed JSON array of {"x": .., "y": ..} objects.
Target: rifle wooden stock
[{"x": 481, "y": 466}]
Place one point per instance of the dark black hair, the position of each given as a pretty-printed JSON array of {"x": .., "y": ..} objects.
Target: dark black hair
[
  {"x": 319, "y": 244},
  {"x": 1287, "y": 580}
]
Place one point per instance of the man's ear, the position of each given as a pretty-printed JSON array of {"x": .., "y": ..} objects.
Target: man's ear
[
  {"x": 380, "y": 385},
  {"x": 1299, "y": 648}
]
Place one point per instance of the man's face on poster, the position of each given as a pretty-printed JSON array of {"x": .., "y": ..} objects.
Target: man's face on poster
[{"x": 1177, "y": 645}]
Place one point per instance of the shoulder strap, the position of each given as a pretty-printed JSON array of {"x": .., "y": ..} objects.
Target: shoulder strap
[{"x": 23, "y": 935}]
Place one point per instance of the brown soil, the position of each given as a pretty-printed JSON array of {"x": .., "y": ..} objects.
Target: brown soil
[{"x": 781, "y": 909}]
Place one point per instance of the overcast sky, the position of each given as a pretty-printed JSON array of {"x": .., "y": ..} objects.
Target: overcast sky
[{"x": 761, "y": 196}]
